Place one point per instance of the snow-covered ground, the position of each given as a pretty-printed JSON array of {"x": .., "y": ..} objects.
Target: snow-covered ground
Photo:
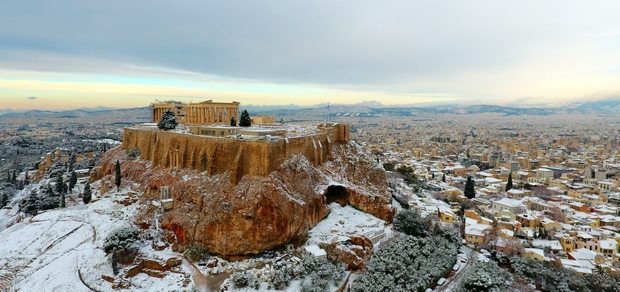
[
  {"x": 343, "y": 222},
  {"x": 50, "y": 251}
]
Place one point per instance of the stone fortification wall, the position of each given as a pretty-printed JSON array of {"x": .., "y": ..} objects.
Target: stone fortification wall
[{"x": 219, "y": 155}]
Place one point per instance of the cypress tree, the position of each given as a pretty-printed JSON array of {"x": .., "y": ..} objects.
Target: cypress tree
[
  {"x": 71, "y": 161},
  {"x": 87, "y": 196},
  {"x": 60, "y": 185},
  {"x": 443, "y": 178},
  {"x": 26, "y": 179},
  {"x": 245, "y": 120},
  {"x": 72, "y": 181},
  {"x": 204, "y": 162},
  {"x": 233, "y": 122},
  {"x": 117, "y": 175},
  {"x": 14, "y": 178},
  {"x": 509, "y": 183},
  {"x": 470, "y": 191}
]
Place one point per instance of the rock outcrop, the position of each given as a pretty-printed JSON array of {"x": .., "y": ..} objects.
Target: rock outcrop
[
  {"x": 257, "y": 213},
  {"x": 353, "y": 253}
]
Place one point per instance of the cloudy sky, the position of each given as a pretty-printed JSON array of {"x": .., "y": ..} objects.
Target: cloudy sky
[{"x": 58, "y": 54}]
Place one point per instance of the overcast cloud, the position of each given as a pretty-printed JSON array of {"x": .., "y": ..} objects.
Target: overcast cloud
[{"x": 473, "y": 49}]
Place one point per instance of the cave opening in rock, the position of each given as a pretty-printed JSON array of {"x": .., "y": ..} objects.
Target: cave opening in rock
[{"x": 337, "y": 194}]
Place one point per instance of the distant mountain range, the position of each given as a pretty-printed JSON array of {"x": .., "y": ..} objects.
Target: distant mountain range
[
  {"x": 607, "y": 107},
  {"x": 74, "y": 113}
]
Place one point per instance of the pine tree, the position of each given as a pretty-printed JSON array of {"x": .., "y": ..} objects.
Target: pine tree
[
  {"x": 60, "y": 185},
  {"x": 233, "y": 122},
  {"x": 72, "y": 181},
  {"x": 168, "y": 121},
  {"x": 509, "y": 183},
  {"x": 87, "y": 196},
  {"x": 117, "y": 175},
  {"x": 245, "y": 120},
  {"x": 470, "y": 191}
]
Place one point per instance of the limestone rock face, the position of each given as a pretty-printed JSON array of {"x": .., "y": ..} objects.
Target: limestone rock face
[
  {"x": 353, "y": 253},
  {"x": 257, "y": 213}
]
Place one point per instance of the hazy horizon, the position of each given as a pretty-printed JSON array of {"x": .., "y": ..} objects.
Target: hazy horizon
[{"x": 75, "y": 54}]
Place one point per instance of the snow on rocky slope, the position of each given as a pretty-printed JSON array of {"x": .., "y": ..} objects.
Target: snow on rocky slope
[{"x": 60, "y": 250}]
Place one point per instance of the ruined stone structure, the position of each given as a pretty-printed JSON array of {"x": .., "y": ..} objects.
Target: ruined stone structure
[
  {"x": 241, "y": 157},
  {"x": 206, "y": 112}
]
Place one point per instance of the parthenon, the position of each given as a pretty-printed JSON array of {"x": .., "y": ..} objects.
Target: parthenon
[{"x": 206, "y": 112}]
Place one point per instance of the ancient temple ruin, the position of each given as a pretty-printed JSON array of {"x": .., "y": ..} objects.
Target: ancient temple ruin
[{"x": 206, "y": 112}]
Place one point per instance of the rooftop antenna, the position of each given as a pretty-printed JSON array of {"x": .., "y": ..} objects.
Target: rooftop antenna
[{"x": 328, "y": 113}]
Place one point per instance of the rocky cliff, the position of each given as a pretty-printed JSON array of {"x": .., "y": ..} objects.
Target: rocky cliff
[{"x": 257, "y": 213}]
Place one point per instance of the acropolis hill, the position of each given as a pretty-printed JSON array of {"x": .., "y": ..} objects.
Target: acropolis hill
[
  {"x": 204, "y": 141},
  {"x": 241, "y": 190}
]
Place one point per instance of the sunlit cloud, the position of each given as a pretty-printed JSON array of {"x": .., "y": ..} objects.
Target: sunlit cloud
[{"x": 308, "y": 52}]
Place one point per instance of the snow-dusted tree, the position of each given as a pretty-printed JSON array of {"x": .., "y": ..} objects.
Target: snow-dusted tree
[
  {"x": 60, "y": 184},
  {"x": 408, "y": 174},
  {"x": 168, "y": 121},
  {"x": 87, "y": 195},
  {"x": 316, "y": 274},
  {"x": 245, "y": 120},
  {"x": 556, "y": 214},
  {"x": 408, "y": 264},
  {"x": 410, "y": 222},
  {"x": 244, "y": 279},
  {"x": 484, "y": 276},
  {"x": 31, "y": 204},
  {"x": 122, "y": 245},
  {"x": 509, "y": 183},
  {"x": 72, "y": 181},
  {"x": 117, "y": 175}
]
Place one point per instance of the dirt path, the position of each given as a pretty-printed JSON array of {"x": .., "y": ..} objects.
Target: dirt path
[
  {"x": 201, "y": 283},
  {"x": 204, "y": 283}
]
